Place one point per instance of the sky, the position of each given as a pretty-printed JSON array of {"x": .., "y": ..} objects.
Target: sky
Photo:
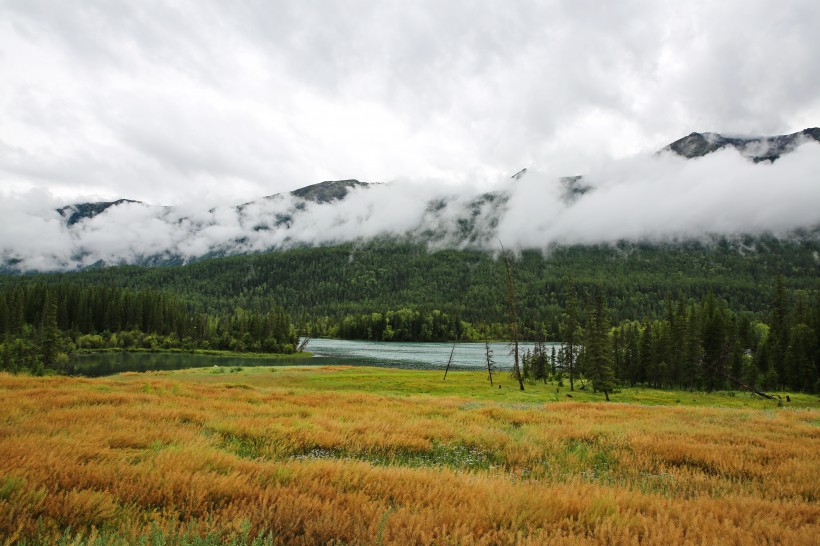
[{"x": 210, "y": 102}]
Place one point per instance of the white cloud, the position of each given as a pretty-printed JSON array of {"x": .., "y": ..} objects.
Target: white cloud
[
  {"x": 216, "y": 102},
  {"x": 652, "y": 197}
]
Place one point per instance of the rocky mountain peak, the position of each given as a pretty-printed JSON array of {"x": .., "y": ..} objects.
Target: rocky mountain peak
[
  {"x": 81, "y": 211},
  {"x": 327, "y": 191},
  {"x": 768, "y": 148}
]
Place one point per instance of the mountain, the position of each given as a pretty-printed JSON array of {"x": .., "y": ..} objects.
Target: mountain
[
  {"x": 81, "y": 211},
  {"x": 531, "y": 211},
  {"x": 326, "y": 192},
  {"x": 323, "y": 192},
  {"x": 755, "y": 148}
]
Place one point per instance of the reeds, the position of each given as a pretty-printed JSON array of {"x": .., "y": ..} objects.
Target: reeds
[{"x": 198, "y": 458}]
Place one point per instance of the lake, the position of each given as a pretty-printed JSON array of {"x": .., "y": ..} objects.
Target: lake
[{"x": 325, "y": 352}]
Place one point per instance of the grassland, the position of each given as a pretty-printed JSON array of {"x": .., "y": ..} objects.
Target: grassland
[{"x": 336, "y": 455}]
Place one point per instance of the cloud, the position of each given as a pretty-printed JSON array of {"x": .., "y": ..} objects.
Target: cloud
[
  {"x": 665, "y": 197},
  {"x": 216, "y": 102},
  {"x": 647, "y": 197}
]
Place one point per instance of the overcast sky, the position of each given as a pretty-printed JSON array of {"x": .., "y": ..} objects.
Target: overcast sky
[{"x": 173, "y": 102}]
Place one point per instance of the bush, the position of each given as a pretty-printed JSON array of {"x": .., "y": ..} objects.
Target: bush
[{"x": 90, "y": 341}]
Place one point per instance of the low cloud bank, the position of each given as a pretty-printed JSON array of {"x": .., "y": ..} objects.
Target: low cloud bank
[{"x": 657, "y": 198}]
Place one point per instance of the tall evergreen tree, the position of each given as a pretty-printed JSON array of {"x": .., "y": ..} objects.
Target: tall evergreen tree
[
  {"x": 648, "y": 360},
  {"x": 49, "y": 333},
  {"x": 779, "y": 330},
  {"x": 597, "y": 348},
  {"x": 515, "y": 325},
  {"x": 715, "y": 348},
  {"x": 571, "y": 332}
]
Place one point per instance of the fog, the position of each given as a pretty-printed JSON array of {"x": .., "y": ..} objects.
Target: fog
[{"x": 659, "y": 197}]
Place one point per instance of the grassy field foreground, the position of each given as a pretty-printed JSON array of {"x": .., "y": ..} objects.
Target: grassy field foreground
[{"x": 336, "y": 455}]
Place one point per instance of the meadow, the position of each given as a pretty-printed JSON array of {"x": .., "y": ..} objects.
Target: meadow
[{"x": 342, "y": 455}]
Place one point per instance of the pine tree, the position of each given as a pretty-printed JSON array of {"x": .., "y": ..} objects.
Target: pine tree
[
  {"x": 49, "y": 333},
  {"x": 17, "y": 317},
  {"x": 647, "y": 354},
  {"x": 515, "y": 331},
  {"x": 677, "y": 361},
  {"x": 814, "y": 319},
  {"x": 693, "y": 348},
  {"x": 715, "y": 347},
  {"x": 4, "y": 315},
  {"x": 802, "y": 372},
  {"x": 571, "y": 335},
  {"x": 598, "y": 347},
  {"x": 779, "y": 330},
  {"x": 540, "y": 366}
]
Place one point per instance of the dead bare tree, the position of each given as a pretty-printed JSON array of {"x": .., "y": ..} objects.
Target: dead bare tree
[
  {"x": 488, "y": 353},
  {"x": 735, "y": 380},
  {"x": 302, "y": 345},
  {"x": 449, "y": 361},
  {"x": 512, "y": 309}
]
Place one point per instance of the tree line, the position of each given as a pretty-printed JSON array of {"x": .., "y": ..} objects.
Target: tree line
[
  {"x": 41, "y": 325},
  {"x": 696, "y": 345}
]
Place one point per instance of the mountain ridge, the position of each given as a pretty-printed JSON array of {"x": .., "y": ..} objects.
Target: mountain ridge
[
  {"x": 765, "y": 148},
  {"x": 527, "y": 213},
  {"x": 694, "y": 145}
]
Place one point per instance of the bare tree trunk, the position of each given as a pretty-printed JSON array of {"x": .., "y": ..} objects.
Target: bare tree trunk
[
  {"x": 513, "y": 310},
  {"x": 449, "y": 361},
  {"x": 737, "y": 381},
  {"x": 302, "y": 345},
  {"x": 488, "y": 352}
]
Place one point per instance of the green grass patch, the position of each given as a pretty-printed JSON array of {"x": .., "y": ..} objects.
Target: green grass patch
[{"x": 474, "y": 385}]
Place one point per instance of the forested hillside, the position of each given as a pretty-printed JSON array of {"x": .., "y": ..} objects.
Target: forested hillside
[{"x": 311, "y": 283}]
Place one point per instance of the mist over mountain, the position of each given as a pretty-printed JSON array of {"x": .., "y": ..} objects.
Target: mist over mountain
[
  {"x": 701, "y": 185},
  {"x": 755, "y": 148}
]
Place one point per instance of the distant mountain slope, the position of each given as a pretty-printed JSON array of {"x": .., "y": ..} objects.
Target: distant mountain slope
[
  {"x": 756, "y": 148},
  {"x": 378, "y": 276},
  {"x": 81, "y": 211},
  {"x": 655, "y": 198},
  {"x": 325, "y": 192}
]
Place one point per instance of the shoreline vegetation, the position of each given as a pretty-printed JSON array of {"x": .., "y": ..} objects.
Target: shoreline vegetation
[
  {"x": 208, "y": 352},
  {"x": 356, "y": 455}
]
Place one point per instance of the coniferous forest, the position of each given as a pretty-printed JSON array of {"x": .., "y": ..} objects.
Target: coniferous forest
[
  {"x": 688, "y": 315},
  {"x": 43, "y": 324}
]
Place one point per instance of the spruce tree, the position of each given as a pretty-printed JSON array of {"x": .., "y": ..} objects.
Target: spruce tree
[
  {"x": 779, "y": 330},
  {"x": 49, "y": 333},
  {"x": 571, "y": 337},
  {"x": 598, "y": 347},
  {"x": 715, "y": 349}
]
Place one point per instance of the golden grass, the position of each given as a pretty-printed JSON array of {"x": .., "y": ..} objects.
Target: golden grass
[{"x": 252, "y": 455}]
